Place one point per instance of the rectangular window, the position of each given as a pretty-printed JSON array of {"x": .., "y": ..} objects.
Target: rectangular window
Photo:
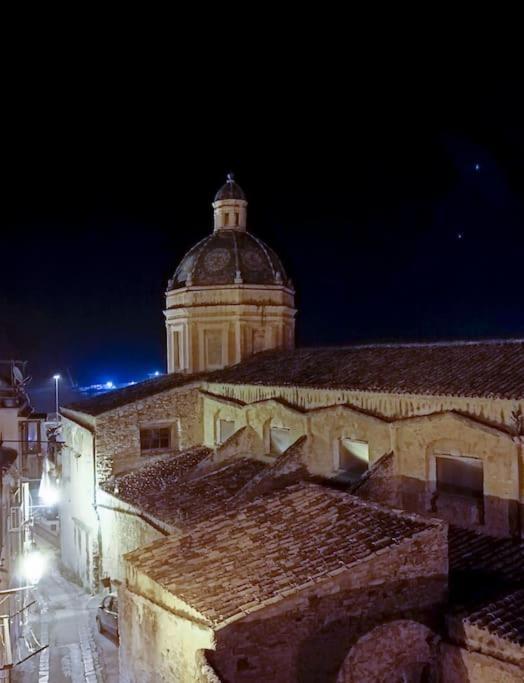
[
  {"x": 176, "y": 351},
  {"x": 460, "y": 475},
  {"x": 30, "y": 436},
  {"x": 156, "y": 438},
  {"x": 353, "y": 457},
  {"x": 259, "y": 340},
  {"x": 226, "y": 428},
  {"x": 213, "y": 348},
  {"x": 280, "y": 440}
]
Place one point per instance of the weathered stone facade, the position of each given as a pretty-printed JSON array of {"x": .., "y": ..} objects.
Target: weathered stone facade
[{"x": 98, "y": 447}]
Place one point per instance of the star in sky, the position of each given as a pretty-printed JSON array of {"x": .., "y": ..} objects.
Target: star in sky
[{"x": 477, "y": 167}]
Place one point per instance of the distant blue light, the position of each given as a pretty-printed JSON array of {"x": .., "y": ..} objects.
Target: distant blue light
[
  {"x": 477, "y": 167},
  {"x": 156, "y": 373},
  {"x": 109, "y": 385}
]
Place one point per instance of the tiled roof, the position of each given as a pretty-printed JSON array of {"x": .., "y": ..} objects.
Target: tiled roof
[
  {"x": 493, "y": 369},
  {"x": 503, "y": 617},
  {"x": 163, "y": 491},
  {"x": 471, "y": 552},
  {"x": 156, "y": 477},
  {"x": 271, "y": 547},
  {"x": 96, "y": 405}
]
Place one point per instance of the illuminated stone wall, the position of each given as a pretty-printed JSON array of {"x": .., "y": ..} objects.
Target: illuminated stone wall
[
  {"x": 78, "y": 521},
  {"x": 458, "y": 665},
  {"x": 118, "y": 430},
  {"x": 160, "y": 641},
  {"x": 413, "y": 428},
  {"x": 306, "y": 636},
  {"x": 241, "y": 319}
]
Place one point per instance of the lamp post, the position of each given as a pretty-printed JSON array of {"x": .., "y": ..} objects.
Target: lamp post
[{"x": 56, "y": 378}]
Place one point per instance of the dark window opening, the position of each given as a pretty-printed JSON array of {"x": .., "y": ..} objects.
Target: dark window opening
[
  {"x": 151, "y": 439},
  {"x": 460, "y": 476}
]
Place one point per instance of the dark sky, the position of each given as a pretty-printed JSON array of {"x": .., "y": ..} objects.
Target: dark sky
[{"x": 370, "y": 195}]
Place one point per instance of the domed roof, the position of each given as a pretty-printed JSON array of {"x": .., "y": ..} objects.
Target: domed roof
[
  {"x": 230, "y": 190},
  {"x": 229, "y": 257}
]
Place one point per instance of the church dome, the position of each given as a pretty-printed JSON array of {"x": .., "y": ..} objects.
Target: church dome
[
  {"x": 230, "y": 190},
  {"x": 229, "y": 257}
]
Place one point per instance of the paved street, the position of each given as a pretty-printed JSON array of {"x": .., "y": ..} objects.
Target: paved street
[{"x": 77, "y": 653}]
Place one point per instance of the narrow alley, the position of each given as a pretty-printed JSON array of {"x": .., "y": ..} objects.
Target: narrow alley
[{"x": 64, "y": 617}]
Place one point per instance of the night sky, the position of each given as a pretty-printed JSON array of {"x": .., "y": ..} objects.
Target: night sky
[{"x": 397, "y": 219}]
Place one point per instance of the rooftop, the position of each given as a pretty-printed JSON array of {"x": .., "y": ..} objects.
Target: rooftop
[
  {"x": 503, "y": 617},
  {"x": 96, "y": 405},
  {"x": 164, "y": 490},
  {"x": 271, "y": 547},
  {"x": 494, "y": 560},
  {"x": 492, "y": 369}
]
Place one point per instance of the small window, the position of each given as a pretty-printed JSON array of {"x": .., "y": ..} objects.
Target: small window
[
  {"x": 176, "y": 350},
  {"x": 353, "y": 457},
  {"x": 280, "y": 440},
  {"x": 226, "y": 219},
  {"x": 152, "y": 439},
  {"x": 259, "y": 340},
  {"x": 213, "y": 348},
  {"x": 226, "y": 428},
  {"x": 30, "y": 436},
  {"x": 460, "y": 476}
]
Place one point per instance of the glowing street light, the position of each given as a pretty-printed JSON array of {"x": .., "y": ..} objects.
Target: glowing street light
[
  {"x": 56, "y": 378},
  {"x": 33, "y": 566}
]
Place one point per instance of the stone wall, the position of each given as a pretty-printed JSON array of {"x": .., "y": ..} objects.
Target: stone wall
[
  {"x": 78, "y": 519},
  {"x": 118, "y": 430},
  {"x": 458, "y": 665},
  {"x": 308, "y": 636},
  {"x": 405, "y": 647},
  {"x": 157, "y": 645},
  {"x": 497, "y": 412},
  {"x": 122, "y": 530},
  {"x": 417, "y": 440},
  {"x": 413, "y": 440}
]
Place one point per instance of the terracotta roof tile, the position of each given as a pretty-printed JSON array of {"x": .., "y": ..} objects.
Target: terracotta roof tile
[
  {"x": 164, "y": 491},
  {"x": 503, "y": 617},
  {"x": 471, "y": 552},
  {"x": 493, "y": 369},
  {"x": 271, "y": 547}
]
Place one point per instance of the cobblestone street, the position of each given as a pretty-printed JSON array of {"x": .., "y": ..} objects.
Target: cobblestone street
[{"x": 77, "y": 652}]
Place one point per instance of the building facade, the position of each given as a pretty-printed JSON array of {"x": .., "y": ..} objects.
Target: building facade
[
  {"x": 230, "y": 297},
  {"x": 302, "y": 514}
]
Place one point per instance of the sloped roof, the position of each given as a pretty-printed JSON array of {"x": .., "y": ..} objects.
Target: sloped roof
[
  {"x": 164, "y": 491},
  {"x": 271, "y": 547},
  {"x": 492, "y": 369},
  {"x": 96, "y": 405},
  {"x": 503, "y": 617},
  {"x": 498, "y": 560}
]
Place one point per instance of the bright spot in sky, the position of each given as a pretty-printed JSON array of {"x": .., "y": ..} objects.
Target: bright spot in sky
[
  {"x": 109, "y": 385},
  {"x": 157, "y": 373},
  {"x": 460, "y": 235},
  {"x": 477, "y": 167}
]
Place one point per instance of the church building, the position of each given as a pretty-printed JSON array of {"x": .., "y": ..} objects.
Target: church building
[{"x": 267, "y": 513}]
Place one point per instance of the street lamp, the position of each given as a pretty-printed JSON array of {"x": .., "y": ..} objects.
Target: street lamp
[
  {"x": 33, "y": 566},
  {"x": 56, "y": 378}
]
